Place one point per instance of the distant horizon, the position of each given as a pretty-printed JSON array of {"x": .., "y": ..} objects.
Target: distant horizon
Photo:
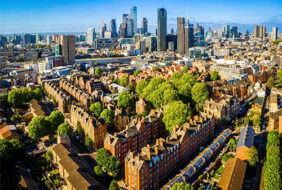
[{"x": 50, "y": 16}]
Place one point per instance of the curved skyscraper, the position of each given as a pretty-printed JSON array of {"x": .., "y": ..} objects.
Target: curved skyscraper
[
  {"x": 133, "y": 12},
  {"x": 113, "y": 28}
]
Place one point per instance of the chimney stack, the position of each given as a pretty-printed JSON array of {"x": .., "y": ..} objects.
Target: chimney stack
[{"x": 156, "y": 150}]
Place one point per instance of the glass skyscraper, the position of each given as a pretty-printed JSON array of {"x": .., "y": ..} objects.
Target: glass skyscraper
[
  {"x": 162, "y": 29},
  {"x": 133, "y": 12},
  {"x": 91, "y": 35}
]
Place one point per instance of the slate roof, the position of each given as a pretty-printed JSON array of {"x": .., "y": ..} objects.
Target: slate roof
[{"x": 246, "y": 137}]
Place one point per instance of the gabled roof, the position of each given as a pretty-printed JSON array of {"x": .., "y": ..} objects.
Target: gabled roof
[{"x": 246, "y": 137}]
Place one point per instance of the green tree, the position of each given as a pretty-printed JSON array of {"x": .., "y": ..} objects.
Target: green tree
[
  {"x": 124, "y": 80},
  {"x": 88, "y": 141},
  {"x": 232, "y": 144},
  {"x": 185, "y": 69},
  {"x": 214, "y": 75},
  {"x": 182, "y": 186},
  {"x": 131, "y": 87},
  {"x": 140, "y": 87},
  {"x": 79, "y": 130},
  {"x": 153, "y": 85},
  {"x": 114, "y": 185},
  {"x": 49, "y": 156},
  {"x": 18, "y": 149},
  {"x": 16, "y": 97},
  {"x": 97, "y": 71},
  {"x": 56, "y": 118},
  {"x": 200, "y": 94},
  {"x": 38, "y": 127},
  {"x": 155, "y": 68},
  {"x": 137, "y": 72},
  {"x": 270, "y": 83},
  {"x": 6, "y": 152},
  {"x": 273, "y": 139},
  {"x": 102, "y": 157},
  {"x": 252, "y": 156},
  {"x": 184, "y": 86},
  {"x": 98, "y": 171},
  {"x": 176, "y": 113},
  {"x": 246, "y": 121},
  {"x": 279, "y": 75},
  {"x": 108, "y": 115},
  {"x": 65, "y": 129},
  {"x": 96, "y": 108},
  {"x": 37, "y": 94},
  {"x": 113, "y": 165},
  {"x": 125, "y": 99}
]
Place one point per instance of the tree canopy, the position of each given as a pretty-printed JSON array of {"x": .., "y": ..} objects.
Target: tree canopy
[
  {"x": 96, "y": 108},
  {"x": 124, "y": 80},
  {"x": 252, "y": 156},
  {"x": 98, "y": 171},
  {"x": 108, "y": 115},
  {"x": 114, "y": 185},
  {"x": 21, "y": 96},
  {"x": 125, "y": 99},
  {"x": 97, "y": 71},
  {"x": 185, "y": 69},
  {"x": 140, "y": 87},
  {"x": 270, "y": 83},
  {"x": 109, "y": 163},
  {"x": 200, "y": 94},
  {"x": 137, "y": 72},
  {"x": 65, "y": 129},
  {"x": 55, "y": 118},
  {"x": 176, "y": 113},
  {"x": 182, "y": 186},
  {"x": 214, "y": 75},
  {"x": 38, "y": 127}
]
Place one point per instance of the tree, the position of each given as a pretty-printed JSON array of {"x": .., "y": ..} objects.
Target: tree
[
  {"x": 16, "y": 97},
  {"x": 97, "y": 71},
  {"x": 124, "y": 80},
  {"x": 114, "y": 185},
  {"x": 184, "y": 86},
  {"x": 252, "y": 156},
  {"x": 270, "y": 83},
  {"x": 6, "y": 152},
  {"x": 102, "y": 156},
  {"x": 38, "y": 127},
  {"x": 273, "y": 139},
  {"x": 279, "y": 75},
  {"x": 65, "y": 129},
  {"x": 137, "y": 72},
  {"x": 79, "y": 129},
  {"x": 182, "y": 186},
  {"x": 246, "y": 121},
  {"x": 176, "y": 113},
  {"x": 88, "y": 141},
  {"x": 112, "y": 165},
  {"x": 37, "y": 94},
  {"x": 155, "y": 68},
  {"x": 185, "y": 69},
  {"x": 98, "y": 171},
  {"x": 49, "y": 156},
  {"x": 140, "y": 87},
  {"x": 108, "y": 115},
  {"x": 131, "y": 87},
  {"x": 96, "y": 108},
  {"x": 200, "y": 94},
  {"x": 214, "y": 75},
  {"x": 125, "y": 99},
  {"x": 232, "y": 144},
  {"x": 56, "y": 118}
]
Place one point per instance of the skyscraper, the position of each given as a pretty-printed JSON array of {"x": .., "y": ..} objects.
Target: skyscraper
[
  {"x": 226, "y": 30},
  {"x": 58, "y": 50},
  {"x": 234, "y": 31},
  {"x": 68, "y": 49},
  {"x": 189, "y": 36},
  {"x": 113, "y": 28},
  {"x": 91, "y": 35},
  {"x": 256, "y": 31},
  {"x": 274, "y": 34},
  {"x": 122, "y": 30},
  {"x": 38, "y": 38},
  {"x": 49, "y": 39},
  {"x": 103, "y": 29},
  {"x": 145, "y": 25},
  {"x": 263, "y": 31},
  {"x": 181, "y": 35},
  {"x": 133, "y": 12},
  {"x": 130, "y": 27},
  {"x": 162, "y": 29}
]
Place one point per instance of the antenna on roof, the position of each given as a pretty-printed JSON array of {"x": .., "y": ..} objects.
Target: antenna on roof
[{"x": 187, "y": 14}]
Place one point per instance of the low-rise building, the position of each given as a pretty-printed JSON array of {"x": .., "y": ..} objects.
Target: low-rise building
[{"x": 245, "y": 142}]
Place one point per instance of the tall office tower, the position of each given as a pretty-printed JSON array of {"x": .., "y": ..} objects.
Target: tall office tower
[
  {"x": 68, "y": 49},
  {"x": 181, "y": 35},
  {"x": 122, "y": 30},
  {"x": 133, "y": 12},
  {"x": 103, "y": 29},
  {"x": 113, "y": 28},
  {"x": 130, "y": 27},
  {"x": 26, "y": 39},
  {"x": 16, "y": 39},
  {"x": 263, "y": 31},
  {"x": 260, "y": 31},
  {"x": 189, "y": 36},
  {"x": 58, "y": 49},
  {"x": 274, "y": 34},
  {"x": 151, "y": 43},
  {"x": 256, "y": 31},
  {"x": 145, "y": 25},
  {"x": 171, "y": 40},
  {"x": 91, "y": 35},
  {"x": 234, "y": 31},
  {"x": 38, "y": 38},
  {"x": 226, "y": 30},
  {"x": 3, "y": 40},
  {"x": 48, "y": 39},
  {"x": 162, "y": 29}
]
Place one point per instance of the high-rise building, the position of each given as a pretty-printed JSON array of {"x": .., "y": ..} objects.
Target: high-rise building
[
  {"x": 133, "y": 12},
  {"x": 38, "y": 38},
  {"x": 226, "y": 30},
  {"x": 122, "y": 30},
  {"x": 151, "y": 43},
  {"x": 48, "y": 39},
  {"x": 171, "y": 42},
  {"x": 58, "y": 49},
  {"x": 181, "y": 35},
  {"x": 130, "y": 27},
  {"x": 189, "y": 36},
  {"x": 274, "y": 34},
  {"x": 103, "y": 29},
  {"x": 162, "y": 29},
  {"x": 3, "y": 40},
  {"x": 68, "y": 49},
  {"x": 91, "y": 35},
  {"x": 27, "y": 39},
  {"x": 145, "y": 25},
  {"x": 234, "y": 31},
  {"x": 256, "y": 31},
  {"x": 263, "y": 32},
  {"x": 113, "y": 28}
]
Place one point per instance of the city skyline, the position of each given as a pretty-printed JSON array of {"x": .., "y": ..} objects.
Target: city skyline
[{"x": 71, "y": 16}]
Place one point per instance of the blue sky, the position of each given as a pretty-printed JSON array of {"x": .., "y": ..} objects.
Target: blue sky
[{"x": 18, "y": 16}]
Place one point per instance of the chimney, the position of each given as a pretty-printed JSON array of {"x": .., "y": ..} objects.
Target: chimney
[
  {"x": 148, "y": 146},
  {"x": 157, "y": 141},
  {"x": 115, "y": 134},
  {"x": 161, "y": 142},
  {"x": 149, "y": 154}
]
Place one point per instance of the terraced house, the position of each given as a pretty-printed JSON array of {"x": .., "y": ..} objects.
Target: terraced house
[
  {"x": 154, "y": 163},
  {"x": 95, "y": 129}
]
